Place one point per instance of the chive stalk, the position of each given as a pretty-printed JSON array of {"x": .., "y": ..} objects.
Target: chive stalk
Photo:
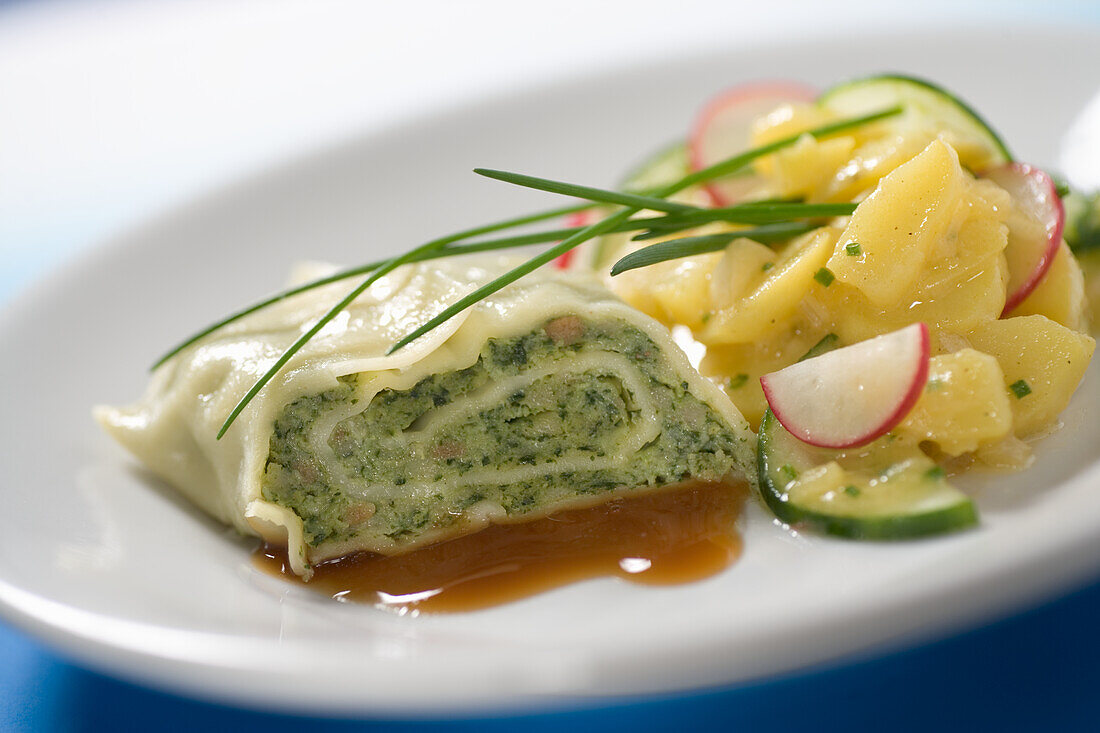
[{"x": 608, "y": 224}]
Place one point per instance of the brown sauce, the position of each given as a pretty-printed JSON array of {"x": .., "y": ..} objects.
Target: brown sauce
[{"x": 677, "y": 536}]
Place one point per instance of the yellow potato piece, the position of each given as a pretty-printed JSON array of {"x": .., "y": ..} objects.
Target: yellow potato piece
[
  {"x": 964, "y": 404},
  {"x": 1060, "y": 295},
  {"x": 899, "y": 226},
  {"x": 946, "y": 306},
  {"x": 808, "y": 164},
  {"x": 777, "y": 298},
  {"x": 738, "y": 367},
  {"x": 673, "y": 292},
  {"x": 741, "y": 268},
  {"x": 685, "y": 295},
  {"x": 975, "y": 154},
  {"x": 958, "y": 274},
  {"x": 977, "y": 233},
  {"x": 677, "y": 291},
  {"x": 869, "y": 163},
  {"x": 787, "y": 120},
  {"x": 1043, "y": 362},
  {"x": 885, "y": 146}
]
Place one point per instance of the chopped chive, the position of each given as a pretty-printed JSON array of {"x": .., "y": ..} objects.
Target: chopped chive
[
  {"x": 853, "y": 249},
  {"x": 1020, "y": 388},
  {"x": 706, "y": 316},
  {"x": 600, "y": 195},
  {"x": 754, "y": 213},
  {"x": 738, "y": 381},
  {"x": 935, "y": 384},
  {"x": 673, "y": 249},
  {"x": 788, "y": 470},
  {"x": 828, "y": 342},
  {"x": 935, "y": 473},
  {"x": 852, "y": 490},
  {"x": 767, "y": 266},
  {"x": 825, "y": 276}
]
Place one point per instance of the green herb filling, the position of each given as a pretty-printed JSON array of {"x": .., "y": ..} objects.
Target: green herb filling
[{"x": 446, "y": 466}]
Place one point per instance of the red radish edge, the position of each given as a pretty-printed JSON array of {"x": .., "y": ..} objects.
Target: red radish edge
[
  {"x": 1054, "y": 229},
  {"x": 900, "y": 411},
  {"x": 576, "y": 219},
  {"x": 791, "y": 90}
]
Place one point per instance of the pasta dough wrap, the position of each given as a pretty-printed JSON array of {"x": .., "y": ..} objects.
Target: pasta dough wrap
[{"x": 550, "y": 394}]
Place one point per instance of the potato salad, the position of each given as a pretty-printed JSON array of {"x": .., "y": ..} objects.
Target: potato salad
[{"x": 942, "y": 325}]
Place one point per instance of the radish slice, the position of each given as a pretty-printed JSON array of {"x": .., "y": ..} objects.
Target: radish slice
[
  {"x": 724, "y": 129},
  {"x": 576, "y": 219},
  {"x": 850, "y": 396},
  {"x": 1030, "y": 251}
]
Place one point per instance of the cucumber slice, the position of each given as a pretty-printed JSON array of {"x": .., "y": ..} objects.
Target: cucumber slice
[
  {"x": 1082, "y": 230},
  {"x": 923, "y": 100},
  {"x": 883, "y": 491},
  {"x": 667, "y": 165}
]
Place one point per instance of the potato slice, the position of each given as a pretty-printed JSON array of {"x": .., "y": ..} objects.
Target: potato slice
[
  {"x": 776, "y": 299},
  {"x": 782, "y": 122},
  {"x": 964, "y": 404},
  {"x": 683, "y": 295},
  {"x": 743, "y": 267},
  {"x": 899, "y": 226},
  {"x": 809, "y": 164},
  {"x": 948, "y": 306},
  {"x": 677, "y": 291},
  {"x": 1043, "y": 362}
]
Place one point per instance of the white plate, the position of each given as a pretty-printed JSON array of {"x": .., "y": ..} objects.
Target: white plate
[{"x": 110, "y": 567}]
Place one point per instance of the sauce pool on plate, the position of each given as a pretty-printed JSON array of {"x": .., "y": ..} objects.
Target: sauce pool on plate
[{"x": 676, "y": 536}]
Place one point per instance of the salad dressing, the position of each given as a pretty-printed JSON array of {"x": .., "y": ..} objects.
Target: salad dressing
[{"x": 677, "y": 536}]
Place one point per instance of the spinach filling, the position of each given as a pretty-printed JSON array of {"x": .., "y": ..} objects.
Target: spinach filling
[{"x": 564, "y": 433}]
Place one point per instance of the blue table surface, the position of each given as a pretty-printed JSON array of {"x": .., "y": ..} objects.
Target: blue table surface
[{"x": 1038, "y": 670}]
